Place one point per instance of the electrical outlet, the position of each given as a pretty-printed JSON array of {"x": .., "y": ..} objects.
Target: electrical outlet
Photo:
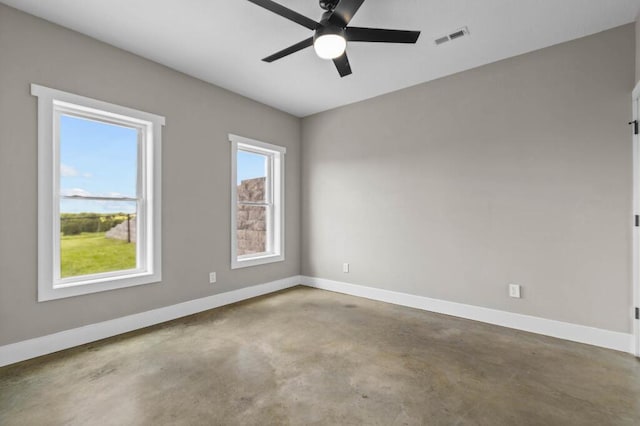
[
  {"x": 514, "y": 291},
  {"x": 345, "y": 268},
  {"x": 212, "y": 277}
]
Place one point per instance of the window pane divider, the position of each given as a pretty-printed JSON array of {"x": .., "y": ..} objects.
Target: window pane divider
[
  {"x": 89, "y": 197},
  {"x": 254, "y": 203}
]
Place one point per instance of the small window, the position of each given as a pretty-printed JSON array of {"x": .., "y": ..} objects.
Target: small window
[
  {"x": 99, "y": 195},
  {"x": 257, "y": 209}
]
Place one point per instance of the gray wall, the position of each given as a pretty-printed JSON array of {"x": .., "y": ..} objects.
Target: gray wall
[
  {"x": 514, "y": 172},
  {"x": 518, "y": 171},
  {"x": 196, "y": 169},
  {"x": 637, "y": 27}
]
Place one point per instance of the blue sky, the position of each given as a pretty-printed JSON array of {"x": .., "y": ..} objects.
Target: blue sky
[
  {"x": 100, "y": 159},
  {"x": 250, "y": 166},
  {"x": 97, "y": 159}
]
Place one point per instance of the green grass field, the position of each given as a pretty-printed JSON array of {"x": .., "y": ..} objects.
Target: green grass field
[{"x": 92, "y": 253}]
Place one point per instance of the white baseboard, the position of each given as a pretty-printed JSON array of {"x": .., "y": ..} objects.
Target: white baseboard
[
  {"x": 38, "y": 346},
  {"x": 563, "y": 330},
  {"x": 20, "y": 351}
]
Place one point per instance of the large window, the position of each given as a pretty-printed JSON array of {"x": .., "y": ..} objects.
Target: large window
[
  {"x": 99, "y": 195},
  {"x": 257, "y": 232}
]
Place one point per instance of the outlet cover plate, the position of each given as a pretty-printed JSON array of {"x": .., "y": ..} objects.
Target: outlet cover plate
[{"x": 514, "y": 291}]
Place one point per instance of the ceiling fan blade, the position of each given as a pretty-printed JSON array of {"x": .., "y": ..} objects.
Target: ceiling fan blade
[
  {"x": 342, "y": 64},
  {"x": 289, "y": 50},
  {"x": 379, "y": 35},
  {"x": 287, "y": 13},
  {"x": 344, "y": 11}
]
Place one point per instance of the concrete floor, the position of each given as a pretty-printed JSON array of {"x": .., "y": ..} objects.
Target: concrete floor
[{"x": 305, "y": 356}]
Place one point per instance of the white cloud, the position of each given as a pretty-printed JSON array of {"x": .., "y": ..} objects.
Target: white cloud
[
  {"x": 79, "y": 205},
  {"x": 87, "y": 175},
  {"x": 67, "y": 171},
  {"x": 75, "y": 191}
]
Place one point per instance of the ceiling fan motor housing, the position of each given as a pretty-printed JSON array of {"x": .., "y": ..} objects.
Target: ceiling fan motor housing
[{"x": 327, "y": 27}]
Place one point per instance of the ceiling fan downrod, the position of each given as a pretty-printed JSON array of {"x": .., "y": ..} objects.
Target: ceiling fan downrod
[{"x": 328, "y": 5}]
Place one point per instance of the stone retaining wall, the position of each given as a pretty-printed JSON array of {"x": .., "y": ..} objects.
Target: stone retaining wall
[
  {"x": 119, "y": 232},
  {"x": 251, "y": 220}
]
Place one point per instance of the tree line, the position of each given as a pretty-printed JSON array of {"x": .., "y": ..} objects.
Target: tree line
[{"x": 77, "y": 223}]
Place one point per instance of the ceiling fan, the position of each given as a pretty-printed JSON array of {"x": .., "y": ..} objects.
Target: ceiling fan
[{"x": 332, "y": 33}]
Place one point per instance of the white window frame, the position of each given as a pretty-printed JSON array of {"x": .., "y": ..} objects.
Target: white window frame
[
  {"x": 275, "y": 191},
  {"x": 635, "y": 230},
  {"x": 51, "y": 104}
]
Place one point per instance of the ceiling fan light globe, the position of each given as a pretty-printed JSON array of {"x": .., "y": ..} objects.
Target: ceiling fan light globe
[{"x": 329, "y": 46}]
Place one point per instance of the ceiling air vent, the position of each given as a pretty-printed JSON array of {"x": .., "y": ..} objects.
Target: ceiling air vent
[{"x": 454, "y": 35}]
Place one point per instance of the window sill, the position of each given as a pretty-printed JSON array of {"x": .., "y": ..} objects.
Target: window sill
[
  {"x": 256, "y": 260},
  {"x": 96, "y": 286}
]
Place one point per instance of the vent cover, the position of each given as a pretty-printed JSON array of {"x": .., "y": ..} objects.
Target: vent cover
[
  {"x": 442, "y": 40},
  {"x": 454, "y": 35}
]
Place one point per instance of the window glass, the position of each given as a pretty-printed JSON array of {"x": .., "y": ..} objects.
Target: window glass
[
  {"x": 253, "y": 204},
  {"x": 100, "y": 158},
  {"x": 98, "y": 196},
  {"x": 252, "y": 176},
  {"x": 95, "y": 240},
  {"x": 257, "y": 208}
]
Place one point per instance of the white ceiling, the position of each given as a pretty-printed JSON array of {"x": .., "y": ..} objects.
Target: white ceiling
[{"x": 223, "y": 41}]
